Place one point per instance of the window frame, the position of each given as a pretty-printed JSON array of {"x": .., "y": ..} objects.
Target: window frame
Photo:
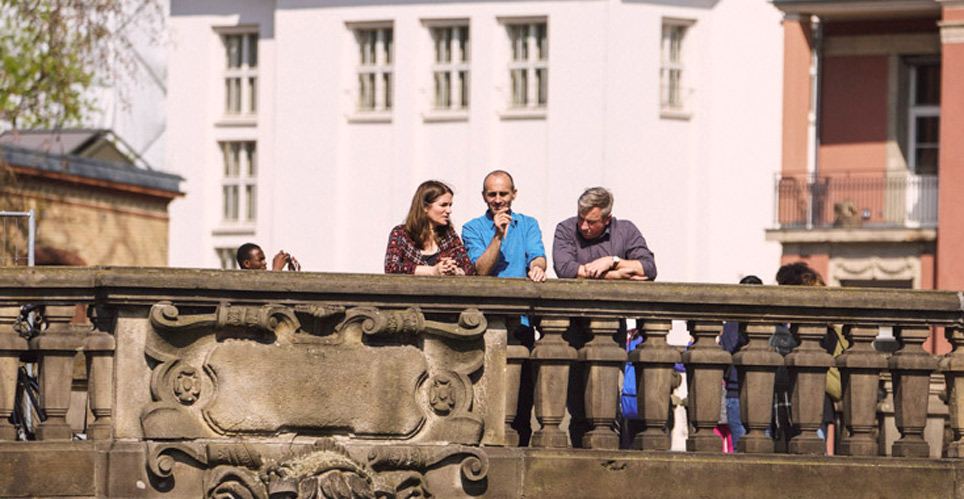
[
  {"x": 682, "y": 109},
  {"x": 245, "y": 182},
  {"x": 228, "y": 257},
  {"x": 915, "y": 111},
  {"x": 382, "y": 67},
  {"x": 460, "y": 100},
  {"x": 534, "y": 66},
  {"x": 245, "y": 72}
]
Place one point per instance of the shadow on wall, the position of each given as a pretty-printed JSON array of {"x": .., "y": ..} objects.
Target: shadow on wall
[{"x": 45, "y": 255}]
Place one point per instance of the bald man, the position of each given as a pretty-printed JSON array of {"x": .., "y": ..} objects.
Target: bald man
[{"x": 504, "y": 243}]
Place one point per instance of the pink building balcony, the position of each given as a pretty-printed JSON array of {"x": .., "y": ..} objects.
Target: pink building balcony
[{"x": 855, "y": 201}]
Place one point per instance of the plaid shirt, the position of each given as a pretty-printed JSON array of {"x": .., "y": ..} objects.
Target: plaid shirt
[{"x": 402, "y": 255}]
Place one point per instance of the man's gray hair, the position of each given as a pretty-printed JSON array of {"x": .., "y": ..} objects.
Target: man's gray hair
[{"x": 596, "y": 197}]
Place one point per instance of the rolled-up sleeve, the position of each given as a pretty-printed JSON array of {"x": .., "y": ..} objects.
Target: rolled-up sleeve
[
  {"x": 474, "y": 243},
  {"x": 636, "y": 249},
  {"x": 564, "y": 252},
  {"x": 534, "y": 247}
]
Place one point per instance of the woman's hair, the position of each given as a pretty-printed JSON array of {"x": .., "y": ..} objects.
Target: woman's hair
[
  {"x": 417, "y": 225},
  {"x": 798, "y": 274}
]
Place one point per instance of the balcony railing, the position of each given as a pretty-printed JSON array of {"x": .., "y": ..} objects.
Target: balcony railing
[
  {"x": 268, "y": 384},
  {"x": 853, "y": 201}
]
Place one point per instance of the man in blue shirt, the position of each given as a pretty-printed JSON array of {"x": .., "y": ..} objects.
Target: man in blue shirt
[{"x": 504, "y": 243}]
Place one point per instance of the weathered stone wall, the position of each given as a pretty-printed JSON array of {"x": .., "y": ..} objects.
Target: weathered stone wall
[
  {"x": 269, "y": 384},
  {"x": 86, "y": 469}
]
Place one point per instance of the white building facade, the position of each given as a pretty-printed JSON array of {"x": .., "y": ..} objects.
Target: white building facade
[{"x": 306, "y": 125}]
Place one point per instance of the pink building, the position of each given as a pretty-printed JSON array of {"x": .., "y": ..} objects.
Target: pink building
[{"x": 871, "y": 102}]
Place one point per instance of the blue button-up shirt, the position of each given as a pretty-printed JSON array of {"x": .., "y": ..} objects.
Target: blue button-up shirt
[{"x": 521, "y": 245}]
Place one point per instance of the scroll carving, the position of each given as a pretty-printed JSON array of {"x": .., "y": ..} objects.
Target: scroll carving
[
  {"x": 166, "y": 317},
  {"x": 363, "y": 372},
  {"x": 410, "y": 322},
  {"x": 474, "y": 462},
  {"x": 160, "y": 458}
]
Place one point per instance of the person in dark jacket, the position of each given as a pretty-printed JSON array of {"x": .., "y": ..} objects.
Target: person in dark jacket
[{"x": 731, "y": 340}]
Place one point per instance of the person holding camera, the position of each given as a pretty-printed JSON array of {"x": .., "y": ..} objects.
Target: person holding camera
[{"x": 250, "y": 257}]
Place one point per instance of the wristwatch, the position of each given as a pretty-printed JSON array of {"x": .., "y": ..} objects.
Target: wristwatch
[{"x": 615, "y": 261}]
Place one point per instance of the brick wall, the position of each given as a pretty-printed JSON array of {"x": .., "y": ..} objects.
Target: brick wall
[{"x": 101, "y": 225}]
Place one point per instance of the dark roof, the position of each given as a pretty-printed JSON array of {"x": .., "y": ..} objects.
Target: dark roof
[
  {"x": 62, "y": 141},
  {"x": 97, "y": 143},
  {"x": 90, "y": 168}
]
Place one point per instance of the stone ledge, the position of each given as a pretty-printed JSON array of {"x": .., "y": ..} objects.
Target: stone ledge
[
  {"x": 130, "y": 286},
  {"x": 619, "y": 474},
  {"x": 80, "y": 469}
]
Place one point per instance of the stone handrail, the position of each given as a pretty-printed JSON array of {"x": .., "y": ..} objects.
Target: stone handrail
[
  {"x": 145, "y": 286},
  {"x": 252, "y": 377}
]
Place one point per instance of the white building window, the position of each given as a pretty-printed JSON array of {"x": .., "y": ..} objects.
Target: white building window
[
  {"x": 228, "y": 258},
  {"x": 240, "y": 73},
  {"x": 239, "y": 187},
  {"x": 450, "y": 68},
  {"x": 924, "y": 111},
  {"x": 529, "y": 64},
  {"x": 672, "y": 76},
  {"x": 375, "y": 59}
]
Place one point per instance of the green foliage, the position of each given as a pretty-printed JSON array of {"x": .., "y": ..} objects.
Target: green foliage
[{"x": 53, "y": 51}]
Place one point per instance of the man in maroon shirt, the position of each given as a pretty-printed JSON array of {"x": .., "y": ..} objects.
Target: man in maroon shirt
[{"x": 595, "y": 245}]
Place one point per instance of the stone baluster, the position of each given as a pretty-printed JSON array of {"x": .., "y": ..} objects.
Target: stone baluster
[
  {"x": 56, "y": 349},
  {"x": 552, "y": 357},
  {"x": 653, "y": 360},
  {"x": 11, "y": 346},
  {"x": 705, "y": 362},
  {"x": 515, "y": 355},
  {"x": 808, "y": 364},
  {"x": 860, "y": 367},
  {"x": 99, "y": 350},
  {"x": 952, "y": 366},
  {"x": 911, "y": 368},
  {"x": 757, "y": 364},
  {"x": 603, "y": 358}
]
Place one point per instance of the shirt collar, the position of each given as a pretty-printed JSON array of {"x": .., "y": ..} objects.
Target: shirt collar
[{"x": 602, "y": 237}]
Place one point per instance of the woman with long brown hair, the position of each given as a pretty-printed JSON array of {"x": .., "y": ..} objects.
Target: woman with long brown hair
[{"x": 427, "y": 244}]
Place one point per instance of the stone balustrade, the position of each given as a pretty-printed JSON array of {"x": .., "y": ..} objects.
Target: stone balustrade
[{"x": 262, "y": 384}]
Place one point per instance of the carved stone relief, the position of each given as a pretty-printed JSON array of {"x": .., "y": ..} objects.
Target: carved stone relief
[
  {"x": 875, "y": 267},
  {"x": 313, "y": 370},
  {"x": 323, "y": 469}
]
